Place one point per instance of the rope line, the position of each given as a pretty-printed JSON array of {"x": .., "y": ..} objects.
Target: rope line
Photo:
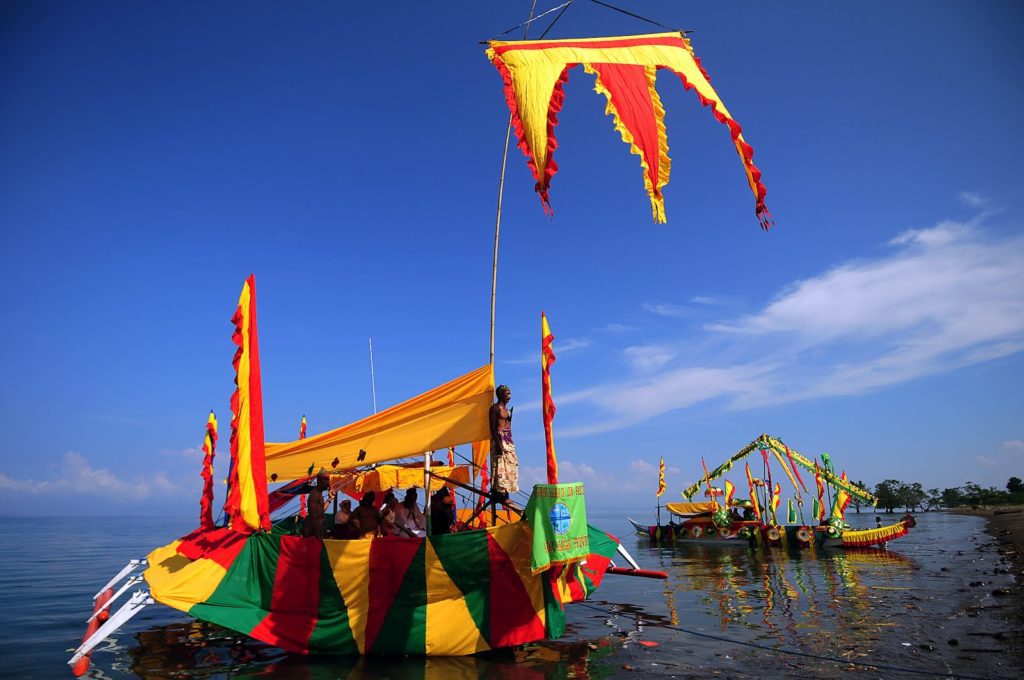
[
  {"x": 637, "y": 16},
  {"x": 792, "y": 652},
  {"x": 530, "y": 21}
]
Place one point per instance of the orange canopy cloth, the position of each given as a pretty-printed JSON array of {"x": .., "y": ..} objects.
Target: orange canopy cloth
[
  {"x": 450, "y": 415},
  {"x": 535, "y": 71},
  {"x": 684, "y": 509},
  {"x": 385, "y": 477}
]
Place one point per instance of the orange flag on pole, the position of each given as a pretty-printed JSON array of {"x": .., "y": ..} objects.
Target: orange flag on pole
[
  {"x": 729, "y": 491},
  {"x": 451, "y": 456},
  {"x": 707, "y": 480},
  {"x": 547, "y": 358},
  {"x": 661, "y": 477},
  {"x": 302, "y": 428},
  {"x": 209, "y": 449},
  {"x": 247, "y": 507}
]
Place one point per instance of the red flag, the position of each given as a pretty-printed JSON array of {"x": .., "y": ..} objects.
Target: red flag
[
  {"x": 451, "y": 456},
  {"x": 209, "y": 449},
  {"x": 302, "y": 428},
  {"x": 547, "y": 358},
  {"x": 796, "y": 472}
]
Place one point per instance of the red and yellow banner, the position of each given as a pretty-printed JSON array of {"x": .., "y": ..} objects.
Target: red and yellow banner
[
  {"x": 209, "y": 451},
  {"x": 246, "y": 505},
  {"x": 710, "y": 493},
  {"x": 302, "y": 428},
  {"x": 547, "y": 358},
  {"x": 821, "y": 492},
  {"x": 730, "y": 490},
  {"x": 535, "y": 72},
  {"x": 753, "y": 493},
  {"x": 661, "y": 477}
]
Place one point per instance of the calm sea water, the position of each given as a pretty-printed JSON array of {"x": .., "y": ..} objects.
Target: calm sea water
[{"x": 899, "y": 607}]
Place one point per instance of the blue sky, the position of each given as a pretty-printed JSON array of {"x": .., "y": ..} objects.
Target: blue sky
[{"x": 153, "y": 155}]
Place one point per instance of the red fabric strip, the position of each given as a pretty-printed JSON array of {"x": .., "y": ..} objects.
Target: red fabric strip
[
  {"x": 296, "y": 596},
  {"x": 667, "y": 41},
  {"x": 513, "y": 620},
  {"x": 631, "y": 97},
  {"x": 390, "y": 558},
  {"x": 258, "y": 463},
  {"x": 220, "y": 545}
]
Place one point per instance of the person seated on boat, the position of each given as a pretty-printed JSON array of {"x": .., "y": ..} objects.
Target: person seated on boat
[
  {"x": 442, "y": 511},
  {"x": 734, "y": 514},
  {"x": 315, "y": 523},
  {"x": 387, "y": 514},
  {"x": 878, "y": 522},
  {"x": 341, "y": 519},
  {"x": 363, "y": 521},
  {"x": 506, "y": 464},
  {"x": 748, "y": 514},
  {"x": 408, "y": 516}
]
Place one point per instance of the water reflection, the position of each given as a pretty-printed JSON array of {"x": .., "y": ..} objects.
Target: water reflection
[{"x": 196, "y": 649}]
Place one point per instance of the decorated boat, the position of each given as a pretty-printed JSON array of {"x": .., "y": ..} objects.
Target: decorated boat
[
  {"x": 453, "y": 594},
  {"x": 755, "y": 521}
]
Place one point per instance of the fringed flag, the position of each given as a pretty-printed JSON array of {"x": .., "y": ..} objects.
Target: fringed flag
[
  {"x": 547, "y": 358},
  {"x": 535, "y": 72},
  {"x": 842, "y": 500},
  {"x": 821, "y": 493},
  {"x": 246, "y": 505},
  {"x": 707, "y": 480},
  {"x": 661, "y": 478},
  {"x": 753, "y": 493},
  {"x": 302, "y": 497},
  {"x": 209, "y": 451},
  {"x": 789, "y": 457}
]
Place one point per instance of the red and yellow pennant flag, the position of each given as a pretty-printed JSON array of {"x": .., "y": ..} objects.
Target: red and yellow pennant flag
[
  {"x": 246, "y": 505},
  {"x": 302, "y": 428},
  {"x": 710, "y": 493},
  {"x": 661, "y": 477},
  {"x": 821, "y": 492},
  {"x": 753, "y": 493},
  {"x": 789, "y": 457},
  {"x": 209, "y": 451},
  {"x": 451, "y": 456},
  {"x": 535, "y": 72},
  {"x": 729, "y": 491},
  {"x": 547, "y": 358},
  {"x": 842, "y": 500},
  {"x": 776, "y": 499}
]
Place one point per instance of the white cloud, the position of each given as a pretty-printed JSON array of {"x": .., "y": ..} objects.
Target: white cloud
[
  {"x": 705, "y": 300},
  {"x": 76, "y": 476},
  {"x": 666, "y": 309},
  {"x": 1013, "y": 446},
  {"x": 648, "y": 357},
  {"x": 933, "y": 301},
  {"x": 987, "y": 462},
  {"x": 565, "y": 347},
  {"x": 616, "y": 328}
]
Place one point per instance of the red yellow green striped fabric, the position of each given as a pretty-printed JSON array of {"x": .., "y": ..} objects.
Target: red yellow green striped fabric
[{"x": 446, "y": 595}]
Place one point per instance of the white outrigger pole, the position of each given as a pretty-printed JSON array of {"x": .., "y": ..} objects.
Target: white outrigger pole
[{"x": 104, "y": 599}]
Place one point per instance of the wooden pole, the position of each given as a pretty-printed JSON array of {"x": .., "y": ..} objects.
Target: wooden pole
[{"x": 426, "y": 490}]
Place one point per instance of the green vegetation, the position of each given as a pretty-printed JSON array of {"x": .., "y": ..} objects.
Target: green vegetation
[{"x": 893, "y": 494}]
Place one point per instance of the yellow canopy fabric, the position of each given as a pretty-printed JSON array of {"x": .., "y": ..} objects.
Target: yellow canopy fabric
[
  {"x": 690, "y": 508},
  {"x": 386, "y": 477},
  {"x": 450, "y": 415}
]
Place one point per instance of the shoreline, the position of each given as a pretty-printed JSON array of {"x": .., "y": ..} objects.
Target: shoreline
[{"x": 1005, "y": 524}]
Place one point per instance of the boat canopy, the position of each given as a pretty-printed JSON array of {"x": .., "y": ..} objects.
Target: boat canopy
[
  {"x": 384, "y": 477},
  {"x": 452, "y": 414},
  {"x": 687, "y": 509}
]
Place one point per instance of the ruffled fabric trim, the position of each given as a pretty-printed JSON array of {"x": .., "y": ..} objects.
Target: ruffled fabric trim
[{"x": 664, "y": 163}]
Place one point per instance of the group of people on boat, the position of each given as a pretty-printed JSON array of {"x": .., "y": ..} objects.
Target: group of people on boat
[{"x": 392, "y": 517}]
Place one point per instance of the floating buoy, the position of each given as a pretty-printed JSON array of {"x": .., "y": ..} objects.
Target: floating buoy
[
  {"x": 803, "y": 535},
  {"x": 773, "y": 533},
  {"x": 81, "y": 666}
]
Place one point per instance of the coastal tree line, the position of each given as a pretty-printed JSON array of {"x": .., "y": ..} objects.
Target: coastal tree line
[{"x": 913, "y": 497}]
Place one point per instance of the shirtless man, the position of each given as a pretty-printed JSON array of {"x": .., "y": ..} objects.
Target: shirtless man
[{"x": 503, "y": 450}]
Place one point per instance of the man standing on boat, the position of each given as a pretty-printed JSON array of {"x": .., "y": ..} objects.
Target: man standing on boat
[{"x": 503, "y": 450}]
